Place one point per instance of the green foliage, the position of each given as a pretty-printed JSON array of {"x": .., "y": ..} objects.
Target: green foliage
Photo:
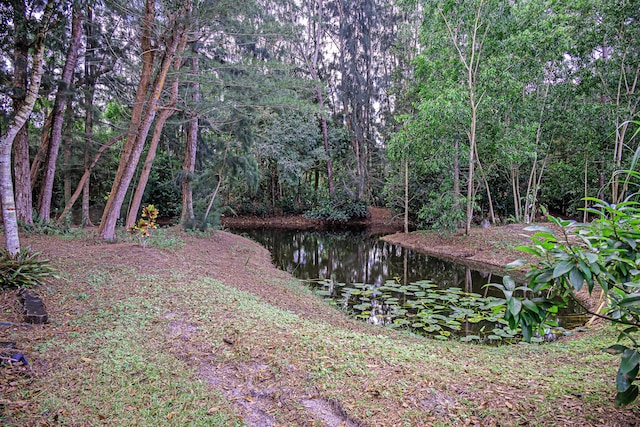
[
  {"x": 40, "y": 226},
  {"x": 24, "y": 269},
  {"x": 339, "y": 209},
  {"x": 163, "y": 188},
  {"x": 604, "y": 253},
  {"x": 440, "y": 212},
  {"x": 531, "y": 315},
  {"x": 115, "y": 112}
]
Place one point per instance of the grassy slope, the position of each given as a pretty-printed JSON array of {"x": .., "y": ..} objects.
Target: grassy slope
[{"x": 140, "y": 346}]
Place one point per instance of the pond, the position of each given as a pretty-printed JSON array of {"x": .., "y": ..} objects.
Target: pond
[{"x": 388, "y": 284}]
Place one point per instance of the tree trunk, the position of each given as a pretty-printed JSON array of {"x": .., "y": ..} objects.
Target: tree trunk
[
  {"x": 513, "y": 171},
  {"x": 46, "y": 190},
  {"x": 9, "y": 219},
  {"x": 12, "y": 240},
  {"x": 486, "y": 185},
  {"x": 215, "y": 192},
  {"x": 136, "y": 201},
  {"x": 406, "y": 195},
  {"x": 470, "y": 180},
  {"x": 68, "y": 148},
  {"x": 24, "y": 199},
  {"x": 91, "y": 74},
  {"x": 142, "y": 115},
  {"x": 189, "y": 164},
  {"x": 312, "y": 65},
  {"x": 23, "y": 195},
  {"x": 42, "y": 151},
  {"x": 88, "y": 138},
  {"x": 456, "y": 175},
  {"x": 165, "y": 113},
  {"x": 470, "y": 60}
]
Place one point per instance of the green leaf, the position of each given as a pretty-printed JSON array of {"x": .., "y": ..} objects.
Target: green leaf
[
  {"x": 627, "y": 396},
  {"x": 562, "y": 268},
  {"x": 509, "y": 283},
  {"x": 576, "y": 278},
  {"x": 630, "y": 301},
  {"x": 531, "y": 306},
  {"x": 539, "y": 228},
  {"x": 591, "y": 257},
  {"x": 517, "y": 263},
  {"x": 624, "y": 380},
  {"x": 544, "y": 277},
  {"x": 529, "y": 250},
  {"x": 629, "y": 361},
  {"x": 515, "y": 306}
]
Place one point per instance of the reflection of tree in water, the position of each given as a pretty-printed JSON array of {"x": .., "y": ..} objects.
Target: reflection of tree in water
[
  {"x": 335, "y": 260},
  {"x": 359, "y": 257}
]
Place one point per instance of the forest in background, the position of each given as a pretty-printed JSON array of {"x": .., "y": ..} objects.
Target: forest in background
[{"x": 449, "y": 112}]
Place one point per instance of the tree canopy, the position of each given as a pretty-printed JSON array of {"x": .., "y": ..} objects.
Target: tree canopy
[{"x": 452, "y": 112}]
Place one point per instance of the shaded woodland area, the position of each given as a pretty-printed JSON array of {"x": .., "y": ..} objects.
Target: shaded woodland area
[{"x": 449, "y": 112}]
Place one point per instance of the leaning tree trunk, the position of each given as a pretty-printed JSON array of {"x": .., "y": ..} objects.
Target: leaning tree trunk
[
  {"x": 41, "y": 154},
  {"x": 142, "y": 116},
  {"x": 12, "y": 240},
  {"x": 165, "y": 113},
  {"x": 68, "y": 148},
  {"x": 136, "y": 200},
  {"x": 46, "y": 191}
]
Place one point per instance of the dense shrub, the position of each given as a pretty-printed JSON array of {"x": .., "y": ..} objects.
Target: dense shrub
[
  {"x": 605, "y": 253},
  {"x": 339, "y": 210}
]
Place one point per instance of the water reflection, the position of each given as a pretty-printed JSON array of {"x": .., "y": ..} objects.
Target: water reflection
[
  {"x": 359, "y": 257},
  {"x": 337, "y": 260}
]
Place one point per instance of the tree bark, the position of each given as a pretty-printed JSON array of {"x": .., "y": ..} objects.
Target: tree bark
[
  {"x": 215, "y": 192},
  {"x": 92, "y": 71},
  {"x": 456, "y": 175},
  {"x": 23, "y": 195},
  {"x": 12, "y": 240},
  {"x": 46, "y": 191},
  {"x": 189, "y": 164},
  {"x": 68, "y": 148},
  {"x": 165, "y": 114},
  {"x": 41, "y": 155},
  {"x": 312, "y": 65},
  {"x": 142, "y": 115},
  {"x": 514, "y": 172},
  {"x": 470, "y": 61},
  {"x": 406, "y": 195}
]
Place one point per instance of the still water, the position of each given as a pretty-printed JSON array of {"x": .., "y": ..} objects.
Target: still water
[
  {"x": 360, "y": 257},
  {"x": 384, "y": 283}
]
